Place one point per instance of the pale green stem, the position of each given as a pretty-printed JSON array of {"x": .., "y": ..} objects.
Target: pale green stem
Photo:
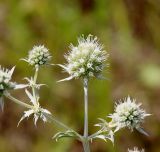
[
  {"x": 7, "y": 94},
  {"x": 34, "y": 81},
  {"x": 85, "y": 140},
  {"x": 51, "y": 118}
]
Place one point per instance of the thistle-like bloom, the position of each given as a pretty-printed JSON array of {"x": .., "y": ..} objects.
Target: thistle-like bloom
[
  {"x": 85, "y": 60},
  {"x": 38, "y": 56},
  {"x": 135, "y": 150},
  {"x": 129, "y": 114},
  {"x": 6, "y": 84},
  {"x": 5, "y": 79},
  {"x": 36, "y": 110}
]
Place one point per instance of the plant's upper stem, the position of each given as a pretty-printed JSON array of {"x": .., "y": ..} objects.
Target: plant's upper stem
[
  {"x": 7, "y": 94},
  {"x": 34, "y": 82},
  {"x": 86, "y": 141}
]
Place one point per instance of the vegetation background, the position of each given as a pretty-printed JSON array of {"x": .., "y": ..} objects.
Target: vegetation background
[{"x": 130, "y": 31}]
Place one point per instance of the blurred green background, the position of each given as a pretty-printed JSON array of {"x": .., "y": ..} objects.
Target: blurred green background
[{"x": 130, "y": 32}]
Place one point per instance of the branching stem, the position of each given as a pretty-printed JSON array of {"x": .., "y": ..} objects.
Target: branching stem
[{"x": 7, "y": 94}]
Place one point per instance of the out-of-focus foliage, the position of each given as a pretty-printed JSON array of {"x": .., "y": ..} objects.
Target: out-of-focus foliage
[{"x": 131, "y": 34}]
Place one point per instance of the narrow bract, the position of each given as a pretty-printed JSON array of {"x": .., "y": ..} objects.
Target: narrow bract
[{"x": 36, "y": 110}]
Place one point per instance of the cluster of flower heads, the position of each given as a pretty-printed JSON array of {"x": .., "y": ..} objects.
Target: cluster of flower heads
[
  {"x": 85, "y": 60},
  {"x": 129, "y": 114},
  {"x": 38, "y": 56},
  {"x": 135, "y": 150}
]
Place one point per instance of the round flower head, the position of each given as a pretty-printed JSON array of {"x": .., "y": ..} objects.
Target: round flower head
[
  {"x": 135, "y": 150},
  {"x": 5, "y": 77},
  {"x": 85, "y": 60},
  {"x": 129, "y": 114},
  {"x": 38, "y": 56}
]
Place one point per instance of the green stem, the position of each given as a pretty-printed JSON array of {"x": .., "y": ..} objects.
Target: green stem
[
  {"x": 7, "y": 94},
  {"x": 86, "y": 141},
  {"x": 53, "y": 119},
  {"x": 34, "y": 81},
  {"x": 86, "y": 146}
]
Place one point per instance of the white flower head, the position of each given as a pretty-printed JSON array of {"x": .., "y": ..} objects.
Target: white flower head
[
  {"x": 135, "y": 150},
  {"x": 5, "y": 79},
  {"x": 36, "y": 110},
  {"x": 38, "y": 56},
  {"x": 6, "y": 83},
  {"x": 129, "y": 114},
  {"x": 85, "y": 60}
]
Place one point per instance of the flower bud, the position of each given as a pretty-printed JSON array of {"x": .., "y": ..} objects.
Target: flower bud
[{"x": 38, "y": 56}]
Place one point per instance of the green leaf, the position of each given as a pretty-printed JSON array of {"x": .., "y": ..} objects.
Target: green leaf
[{"x": 68, "y": 133}]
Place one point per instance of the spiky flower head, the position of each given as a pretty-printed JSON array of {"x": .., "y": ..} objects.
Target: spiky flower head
[
  {"x": 5, "y": 80},
  {"x": 85, "y": 60},
  {"x": 6, "y": 83},
  {"x": 38, "y": 56},
  {"x": 129, "y": 114},
  {"x": 135, "y": 150}
]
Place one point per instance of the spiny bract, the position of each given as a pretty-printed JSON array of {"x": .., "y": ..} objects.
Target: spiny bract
[{"x": 35, "y": 109}]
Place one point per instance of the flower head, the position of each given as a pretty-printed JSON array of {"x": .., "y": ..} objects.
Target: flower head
[
  {"x": 5, "y": 79},
  {"x": 135, "y": 150},
  {"x": 38, "y": 56},
  {"x": 6, "y": 83},
  {"x": 128, "y": 114},
  {"x": 85, "y": 60},
  {"x": 36, "y": 110}
]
